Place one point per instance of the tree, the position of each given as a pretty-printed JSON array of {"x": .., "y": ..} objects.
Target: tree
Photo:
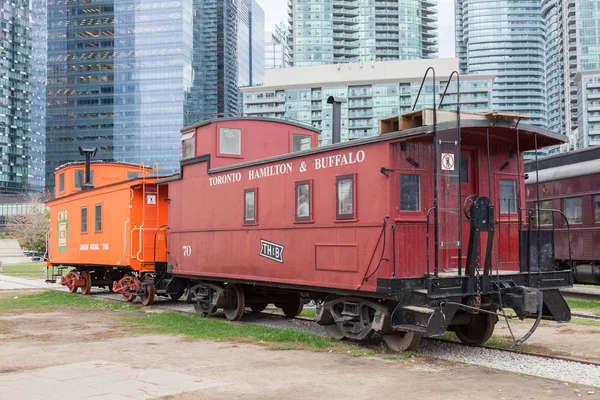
[{"x": 31, "y": 227}]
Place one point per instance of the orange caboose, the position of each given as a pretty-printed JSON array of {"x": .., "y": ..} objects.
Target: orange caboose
[{"x": 110, "y": 232}]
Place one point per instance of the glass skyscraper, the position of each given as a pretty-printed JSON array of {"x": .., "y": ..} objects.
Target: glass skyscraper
[
  {"x": 15, "y": 96},
  {"x": 277, "y": 51},
  {"x": 37, "y": 82},
  {"x": 505, "y": 38},
  {"x": 126, "y": 76},
  {"x": 338, "y": 31}
]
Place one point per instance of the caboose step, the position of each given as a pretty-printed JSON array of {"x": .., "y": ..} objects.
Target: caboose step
[
  {"x": 410, "y": 328},
  {"x": 424, "y": 310}
]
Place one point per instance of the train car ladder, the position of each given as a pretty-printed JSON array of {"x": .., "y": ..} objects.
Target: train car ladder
[{"x": 446, "y": 187}]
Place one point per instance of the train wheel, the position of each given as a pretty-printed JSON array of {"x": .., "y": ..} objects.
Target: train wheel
[
  {"x": 258, "y": 307},
  {"x": 294, "y": 307},
  {"x": 478, "y": 331},
  {"x": 70, "y": 281},
  {"x": 235, "y": 295},
  {"x": 334, "y": 331},
  {"x": 87, "y": 278},
  {"x": 176, "y": 296},
  {"x": 402, "y": 341},
  {"x": 126, "y": 281},
  {"x": 148, "y": 297}
]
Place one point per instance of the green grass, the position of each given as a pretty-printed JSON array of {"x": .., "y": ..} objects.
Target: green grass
[
  {"x": 52, "y": 300},
  {"x": 32, "y": 270},
  {"x": 308, "y": 312},
  {"x": 584, "y": 305},
  {"x": 198, "y": 327}
]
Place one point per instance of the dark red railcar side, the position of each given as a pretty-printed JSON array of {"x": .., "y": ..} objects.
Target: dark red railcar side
[
  {"x": 569, "y": 202},
  {"x": 371, "y": 228}
]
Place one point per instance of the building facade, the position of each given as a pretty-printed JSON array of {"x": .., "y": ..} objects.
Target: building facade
[
  {"x": 587, "y": 84},
  {"x": 277, "y": 51},
  {"x": 374, "y": 90},
  {"x": 342, "y": 31},
  {"x": 15, "y": 96},
  {"x": 506, "y": 38},
  {"x": 127, "y": 76},
  {"x": 37, "y": 82}
]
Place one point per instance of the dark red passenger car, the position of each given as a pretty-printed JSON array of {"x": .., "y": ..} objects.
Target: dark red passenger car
[{"x": 569, "y": 202}]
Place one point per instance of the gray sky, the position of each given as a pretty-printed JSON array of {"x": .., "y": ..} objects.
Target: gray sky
[{"x": 276, "y": 10}]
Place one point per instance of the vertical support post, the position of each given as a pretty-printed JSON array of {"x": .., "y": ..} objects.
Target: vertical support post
[
  {"x": 336, "y": 123},
  {"x": 537, "y": 193},
  {"x": 88, "y": 153},
  {"x": 519, "y": 209}
]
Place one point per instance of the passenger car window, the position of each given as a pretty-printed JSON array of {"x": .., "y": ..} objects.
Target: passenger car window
[
  {"x": 597, "y": 208},
  {"x": 572, "y": 210},
  {"x": 410, "y": 193},
  {"x": 230, "y": 141},
  {"x": 508, "y": 196},
  {"x": 345, "y": 197},
  {"x": 545, "y": 216}
]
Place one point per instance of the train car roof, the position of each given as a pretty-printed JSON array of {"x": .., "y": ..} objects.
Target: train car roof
[
  {"x": 76, "y": 163},
  {"x": 527, "y": 134},
  {"x": 244, "y": 118},
  {"x": 568, "y": 158}
]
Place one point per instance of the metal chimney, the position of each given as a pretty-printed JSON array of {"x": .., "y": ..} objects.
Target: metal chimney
[
  {"x": 88, "y": 153},
  {"x": 336, "y": 125}
]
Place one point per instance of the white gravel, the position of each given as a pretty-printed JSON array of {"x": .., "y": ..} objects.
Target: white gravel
[{"x": 560, "y": 370}]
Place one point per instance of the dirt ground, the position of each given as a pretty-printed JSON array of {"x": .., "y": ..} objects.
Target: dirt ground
[{"x": 33, "y": 342}]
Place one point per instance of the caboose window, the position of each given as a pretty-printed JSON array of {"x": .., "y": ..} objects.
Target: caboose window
[
  {"x": 345, "y": 197},
  {"x": 300, "y": 142},
  {"x": 303, "y": 201},
  {"x": 508, "y": 195},
  {"x": 189, "y": 145},
  {"x": 61, "y": 182},
  {"x": 79, "y": 178},
  {"x": 410, "y": 193},
  {"x": 250, "y": 206},
  {"x": 572, "y": 210},
  {"x": 83, "y": 219},
  {"x": 230, "y": 141},
  {"x": 98, "y": 224},
  {"x": 597, "y": 208}
]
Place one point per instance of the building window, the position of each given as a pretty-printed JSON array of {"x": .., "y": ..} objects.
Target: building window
[
  {"x": 508, "y": 196},
  {"x": 572, "y": 210},
  {"x": 410, "y": 193},
  {"x": 300, "y": 142},
  {"x": 98, "y": 225},
  {"x": 61, "y": 182},
  {"x": 345, "y": 197},
  {"x": 230, "y": 141},
  {"x": 545, "y": 216},
  {"x": 80, "y": 178},
  {"x": 189, "y": 145},
  {"x": 250, "y": 206},
  {"x": 303, "y": 201},
  {"x": 597, "y": 208},
  {"x": 83, "y": 219}
]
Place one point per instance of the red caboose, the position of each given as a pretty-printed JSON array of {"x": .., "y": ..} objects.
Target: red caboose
[{"x": 405, "y": 234}]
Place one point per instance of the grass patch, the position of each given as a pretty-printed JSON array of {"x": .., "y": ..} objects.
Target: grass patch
[
  {"x": 585, "y": 321},
  {"x": 52, "y": 300},
  {"x": 308, "y": 312},
  {"x": 197, "y": 327},
  {"x": 593, "y": 306},
  {"x": 32, "y": 270}
]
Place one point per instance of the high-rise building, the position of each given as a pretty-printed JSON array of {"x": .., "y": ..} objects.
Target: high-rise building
[
  {"x": 505, "y": 38},
  {"x": 117, "y": 77},
  {"x": 277, "y": 51},
  {"x": 323, "y": 32},
  {"x": 223, "y": 57},
  {"x": 37, "y": 82},
  {"x": 374, "y": 90},
  {"x": 125, "y": 76},
  {"x": 15, "y": 96}
]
